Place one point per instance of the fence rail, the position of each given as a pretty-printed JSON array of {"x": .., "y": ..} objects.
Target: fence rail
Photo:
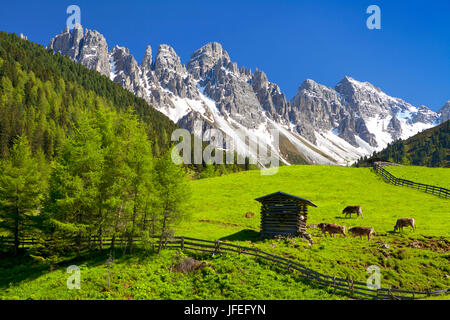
[
  {"x": 354, "y": 288},
  {"x": 387, "y": 176}
]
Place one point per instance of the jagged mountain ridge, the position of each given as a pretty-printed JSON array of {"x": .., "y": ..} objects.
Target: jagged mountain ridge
[{"x": 318, "y": 125}]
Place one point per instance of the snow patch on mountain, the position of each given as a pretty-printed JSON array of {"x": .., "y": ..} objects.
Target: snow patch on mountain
[{"x": 320, "y": 124}]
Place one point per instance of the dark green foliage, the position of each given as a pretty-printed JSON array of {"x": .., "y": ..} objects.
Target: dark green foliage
[
  {"x": 21, "y": 188},
  {"x": 171, "y": 194}
]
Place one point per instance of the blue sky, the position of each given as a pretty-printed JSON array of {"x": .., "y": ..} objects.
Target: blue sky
[{"x": 289, "y": 40}]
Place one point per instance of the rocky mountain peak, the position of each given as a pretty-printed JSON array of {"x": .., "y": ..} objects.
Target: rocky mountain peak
[
  {"x": 148, "y": 59},
  {"x": 318, "y": 106},
  {"x": 310, "y": 84},
  {"x": 350, "y": 86},
  {"x": 206, "y": 58},
  {"x": 167, "y": 60},
  {"x": 319, "y": 125},
  {"x": 260, "y": 80},
  {"x": 68, "y": 42},
  {"x": 272, "y": 100},
  {"x": 313, "y": 89},
  {"x": 172, "y": 75},
  {"x": 346, "y": 85},
  {"x": 87, "y": 47},
  {"x": 124, "y": 68},
  {"x": 120, "y": 51}
]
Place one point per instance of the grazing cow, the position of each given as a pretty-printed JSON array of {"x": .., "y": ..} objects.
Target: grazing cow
[
  {"x": 331, "y": 228},
  {"x": 352, "y": 209},
  {"x": 404, "y": 222},
  {"x": 361, "y": 231}
]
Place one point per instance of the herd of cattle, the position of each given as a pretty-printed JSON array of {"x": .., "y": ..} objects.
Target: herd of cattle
[{"x": 333, "y": 228}]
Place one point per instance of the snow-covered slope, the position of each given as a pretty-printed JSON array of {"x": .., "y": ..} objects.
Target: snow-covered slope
[{"x": 319, "y": 125}]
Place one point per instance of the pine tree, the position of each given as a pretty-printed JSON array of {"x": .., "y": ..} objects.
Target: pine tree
[
  {"x": 74, "y": 183},
  {"x": 172, "y": 192},
  {"x": 208, "y": 172},
  {"x": 21, "y": 190},
  {"x": 128, "y": 169}
]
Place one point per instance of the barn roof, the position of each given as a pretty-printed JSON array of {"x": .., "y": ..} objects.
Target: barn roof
[{"x": 279, "y": 193}]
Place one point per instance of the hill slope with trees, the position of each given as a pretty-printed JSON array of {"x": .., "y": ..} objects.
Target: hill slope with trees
[
  {"x": 42, "y": 95},
  {"x": 429, "y": 148}
]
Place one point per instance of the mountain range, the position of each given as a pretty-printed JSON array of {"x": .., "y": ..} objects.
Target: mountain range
[{"x": 319, "y": 125}]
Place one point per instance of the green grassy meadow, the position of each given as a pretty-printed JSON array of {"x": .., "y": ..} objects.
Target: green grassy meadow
[
  {"x": 408, "y": 260},
  {"x": 146, "y": 275},
  {"x": 414, "y": 260},
  {"x": 219, "y": 204},
  {"x": 433, "y": 176}
]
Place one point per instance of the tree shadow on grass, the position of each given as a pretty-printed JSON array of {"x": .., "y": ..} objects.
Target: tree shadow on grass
[
  {"x": 15, "y": 269},
  {"x": 243, "y": 235}
]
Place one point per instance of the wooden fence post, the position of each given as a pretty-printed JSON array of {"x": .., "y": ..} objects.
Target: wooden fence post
[
  {"x": 216, "y": 247},
  {"x": 350, "y": 285},
  {"x": 182, "y": 243},
  {"x": 334, "y": 283}
]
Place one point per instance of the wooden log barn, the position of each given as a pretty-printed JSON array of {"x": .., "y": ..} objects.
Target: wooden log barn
[{"x": 283, "y": 214}]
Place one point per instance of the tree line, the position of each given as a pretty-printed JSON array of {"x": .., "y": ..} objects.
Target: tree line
[{"x": 104, "y": 182}]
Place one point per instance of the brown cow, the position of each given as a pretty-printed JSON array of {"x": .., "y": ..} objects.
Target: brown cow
[
  {"x": 404, "y": 222},
  {"x": 360, "y": 231},
  {"x": 331, "y": 228},
  {"x": 352, "y": 209}
]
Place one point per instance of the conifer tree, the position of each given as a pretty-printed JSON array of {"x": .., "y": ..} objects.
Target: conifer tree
[
  {"x": 172, "y": 192},
  {"x": 74, "y": 183},
  {"x": 21, "y": 190}
]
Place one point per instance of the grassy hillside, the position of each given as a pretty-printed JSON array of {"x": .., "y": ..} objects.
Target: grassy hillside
[
  {"x": 414, "y": 260},
  {"x": 219, "y": 204},
  {"x": 148, "y": 276},
  {"x": 433, "y": 176},
  {"x": 408, "y": 260}
]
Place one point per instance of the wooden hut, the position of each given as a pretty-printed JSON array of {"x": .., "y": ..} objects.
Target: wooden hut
[{"x": 283, "y": 214}]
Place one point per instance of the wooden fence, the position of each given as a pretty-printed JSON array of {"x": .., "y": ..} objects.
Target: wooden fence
[
  {"x": 347, "y": 286},
  {"x": 388, "y": 177},
  {"x": 353, "y": 288}
]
